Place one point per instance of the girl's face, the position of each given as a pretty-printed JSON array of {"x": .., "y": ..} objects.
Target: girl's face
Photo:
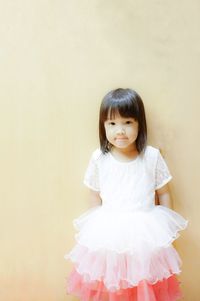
[{"x": 122, "y": 132}]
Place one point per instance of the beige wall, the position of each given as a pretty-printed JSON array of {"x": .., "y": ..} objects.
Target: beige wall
[{"x": 58, "y": 59}]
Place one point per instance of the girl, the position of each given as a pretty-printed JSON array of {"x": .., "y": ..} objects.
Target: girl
[{"x": 124, "y": 246}]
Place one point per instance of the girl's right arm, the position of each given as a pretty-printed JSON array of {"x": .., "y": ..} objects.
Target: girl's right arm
[{"x": 94, "y": 198}]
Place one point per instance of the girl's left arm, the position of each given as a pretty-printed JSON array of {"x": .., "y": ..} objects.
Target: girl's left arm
[{"x": 163, "y": 196}]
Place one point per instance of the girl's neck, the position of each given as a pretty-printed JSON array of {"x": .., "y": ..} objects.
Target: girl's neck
[{"x": 124, "y": 154}]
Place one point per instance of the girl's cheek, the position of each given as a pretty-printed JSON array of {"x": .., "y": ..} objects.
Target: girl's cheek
[{"x": 110, "y": 130}]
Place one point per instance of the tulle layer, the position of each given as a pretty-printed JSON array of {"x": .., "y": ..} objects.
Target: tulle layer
[
  {"x": 124, "y": 270},
  {"x": 128, "y": 231},
  {"x": 165, "y": 290},
  {"x": 126, "y": 255}
]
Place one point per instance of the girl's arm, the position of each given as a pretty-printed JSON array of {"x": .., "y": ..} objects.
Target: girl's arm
[
  {"x": 94, "y": 198},
  {"x": 163, "y": 196}
]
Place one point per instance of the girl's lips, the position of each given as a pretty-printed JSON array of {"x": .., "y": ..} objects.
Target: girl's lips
[{"x": 121, "y": 139}]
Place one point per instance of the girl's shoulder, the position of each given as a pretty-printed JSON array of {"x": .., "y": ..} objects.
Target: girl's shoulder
[
  {"x": 96, "y": 154},
  {"x": 151, "y": 149},
  {"x": 151, "y": 152}
]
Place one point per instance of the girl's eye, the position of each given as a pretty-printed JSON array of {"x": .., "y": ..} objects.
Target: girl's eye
[
  {"x": 112, "y": 123},
  {"x": 128, "y": 122}
]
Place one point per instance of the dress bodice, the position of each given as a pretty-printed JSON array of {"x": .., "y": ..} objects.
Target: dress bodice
[{"x": 127, "y": 185}]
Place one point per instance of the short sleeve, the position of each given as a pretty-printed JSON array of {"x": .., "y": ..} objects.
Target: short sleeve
[
  {"x": 162, "y": 173},
  {"x": 91, "y": 177}
]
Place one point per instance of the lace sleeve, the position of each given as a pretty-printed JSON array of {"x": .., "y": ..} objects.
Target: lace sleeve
[
  {"x": 162, "y": 175},
  {"x": 91, "y": 177}
]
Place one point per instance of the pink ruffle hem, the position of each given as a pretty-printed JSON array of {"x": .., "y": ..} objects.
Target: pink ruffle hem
[{"x": 166, "y": 290}]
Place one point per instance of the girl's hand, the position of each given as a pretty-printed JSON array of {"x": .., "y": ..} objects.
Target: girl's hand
[{"x": 163, "y": 196}]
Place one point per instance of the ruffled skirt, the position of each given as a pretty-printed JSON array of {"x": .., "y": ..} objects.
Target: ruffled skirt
[{"x": 126, "y": 255}]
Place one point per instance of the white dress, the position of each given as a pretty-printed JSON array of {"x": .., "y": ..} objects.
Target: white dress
[{"x": 124, "y": 247}]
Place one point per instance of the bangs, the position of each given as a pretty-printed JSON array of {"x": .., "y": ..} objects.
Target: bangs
[{"x": 124, "y": 109}]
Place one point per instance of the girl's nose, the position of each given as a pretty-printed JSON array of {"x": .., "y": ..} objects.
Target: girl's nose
[{"x": 120, "y": 130}]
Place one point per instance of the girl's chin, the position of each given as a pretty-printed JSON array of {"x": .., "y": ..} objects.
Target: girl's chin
[{"x": 123, "y": 146}]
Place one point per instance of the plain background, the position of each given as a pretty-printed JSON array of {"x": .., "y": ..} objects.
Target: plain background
[{"x": 58, "y": 59}]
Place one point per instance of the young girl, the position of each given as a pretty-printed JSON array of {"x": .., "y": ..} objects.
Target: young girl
[{"x": 124, "y": 246}]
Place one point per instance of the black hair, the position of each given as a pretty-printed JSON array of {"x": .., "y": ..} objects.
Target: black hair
[{"x": 126, "y": 103}]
